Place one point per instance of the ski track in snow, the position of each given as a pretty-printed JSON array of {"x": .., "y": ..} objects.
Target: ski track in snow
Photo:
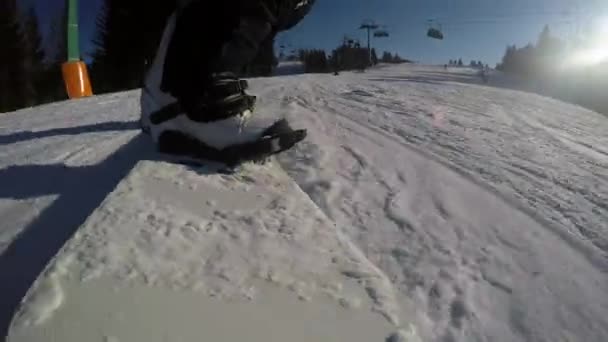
[
  {"x": 539, "y": 165},
  {"x": 486, "y": 207}
]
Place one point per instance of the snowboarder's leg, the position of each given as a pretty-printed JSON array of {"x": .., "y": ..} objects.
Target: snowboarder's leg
[{"x": 192, "y": 88}]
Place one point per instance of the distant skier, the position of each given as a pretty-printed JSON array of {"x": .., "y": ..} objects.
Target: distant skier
[
  {"x": 193, "y": 103},
  {"x": 483, "y": 73}
]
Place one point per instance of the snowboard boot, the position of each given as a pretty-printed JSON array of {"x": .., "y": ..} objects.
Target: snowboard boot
[{"x": 193, "y": 103}]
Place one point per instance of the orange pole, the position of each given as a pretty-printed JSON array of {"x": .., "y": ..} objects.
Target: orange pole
[
  {"x": 76, "y": 78},
  {"x": 75, "y": 75}
]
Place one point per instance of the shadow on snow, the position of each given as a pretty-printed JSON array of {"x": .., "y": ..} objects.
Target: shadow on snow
[
  {"x": 80, "y": 191},
  {"x": 100, "y": 127}
]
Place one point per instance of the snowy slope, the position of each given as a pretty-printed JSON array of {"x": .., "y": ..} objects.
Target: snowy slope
[{"x": 484, "y": 207}]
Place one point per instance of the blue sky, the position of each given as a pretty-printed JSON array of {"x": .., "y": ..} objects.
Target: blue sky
[{"x": 474, "y": 29}]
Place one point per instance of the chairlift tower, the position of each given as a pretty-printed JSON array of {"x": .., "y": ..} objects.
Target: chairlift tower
[{"x": 369, "y": 25}]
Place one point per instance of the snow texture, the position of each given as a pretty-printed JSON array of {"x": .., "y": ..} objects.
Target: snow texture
[
  {"x": 158, "y": 229},
  {"x": 454, "y": 210}
]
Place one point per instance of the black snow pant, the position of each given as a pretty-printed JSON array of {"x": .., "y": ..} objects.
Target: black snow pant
[{"x": 222, "y": 36}]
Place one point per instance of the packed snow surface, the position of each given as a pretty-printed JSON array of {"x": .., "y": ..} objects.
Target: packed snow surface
[{"x": 450, "y": 209}]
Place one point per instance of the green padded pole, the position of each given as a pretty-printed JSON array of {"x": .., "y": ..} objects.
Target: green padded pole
[{"x": 73, "y": 48}]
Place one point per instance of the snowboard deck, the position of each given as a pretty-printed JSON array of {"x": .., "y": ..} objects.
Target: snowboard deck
[{"x": 182, "y": 253}]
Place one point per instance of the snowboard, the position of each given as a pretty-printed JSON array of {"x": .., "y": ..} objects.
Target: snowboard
[{"x": 182, "y": 253}]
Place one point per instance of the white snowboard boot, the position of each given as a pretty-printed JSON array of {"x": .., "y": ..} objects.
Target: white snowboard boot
[{"x": 192, "y": 102}]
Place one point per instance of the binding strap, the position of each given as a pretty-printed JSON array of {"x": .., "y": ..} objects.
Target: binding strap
[{"x": 232, "y": 101}]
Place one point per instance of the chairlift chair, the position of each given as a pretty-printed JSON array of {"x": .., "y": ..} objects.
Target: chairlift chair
[
  {"x": 434, "y": 31},
  {"x": 381, "y": 34}
]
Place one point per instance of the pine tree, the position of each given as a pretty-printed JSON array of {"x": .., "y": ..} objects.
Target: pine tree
[
  {"x": 34, "y": 61},
  {"x": 548, "y": 50},
  {"x": 57, "y": 48},
  {"x": 507, "y": 59},
  {"x": 126, "y": 41},
  {"x": 14, "y": 83},
  {"x": 533, "y": 60},
  {"x": 33, "y": 37},
  {"x": 387, "y": 57},
  {"x": 56, "y": 54},
  {"x": 317, "y": 61},
  {"x": 545, "y": 40},
  {"x": 460, "y": 62}
]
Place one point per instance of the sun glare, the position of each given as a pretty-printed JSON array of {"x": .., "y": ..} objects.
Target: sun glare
[
  {"x": 592, "y": 56},
  {"x": 596, "y": 51}
]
